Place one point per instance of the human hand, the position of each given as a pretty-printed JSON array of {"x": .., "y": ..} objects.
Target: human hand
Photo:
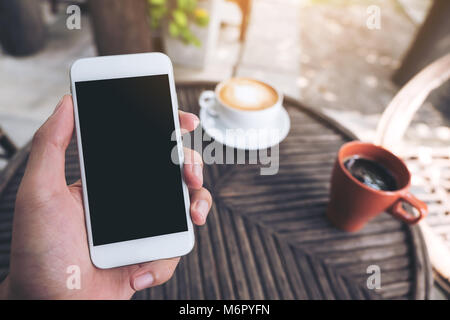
[{"x": 49, "y": 231}]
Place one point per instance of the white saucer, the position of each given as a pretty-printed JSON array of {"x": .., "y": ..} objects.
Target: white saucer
[{"x": 246, "y": 139}]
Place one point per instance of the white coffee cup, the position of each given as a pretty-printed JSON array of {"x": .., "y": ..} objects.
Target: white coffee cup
[{"x": 246, "y": 116}]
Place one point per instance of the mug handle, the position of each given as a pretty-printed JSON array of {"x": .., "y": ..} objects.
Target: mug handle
[
  {"x": 207, "y": 101},
  {"x": 400, "y": 213}
]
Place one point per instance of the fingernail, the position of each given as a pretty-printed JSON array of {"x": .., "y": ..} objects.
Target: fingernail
[
  {"x": 202, "y": 207},
  {"x": 58, "y": 105},
  {"x": 143, "y": 281},
  {"x": 198, "y": 170}
]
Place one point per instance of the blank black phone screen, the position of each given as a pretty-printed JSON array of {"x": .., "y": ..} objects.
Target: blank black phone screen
[{"x": 134, "y": 187}]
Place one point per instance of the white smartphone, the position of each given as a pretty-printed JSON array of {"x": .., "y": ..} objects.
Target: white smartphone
[{"x": 131, "y": 155}]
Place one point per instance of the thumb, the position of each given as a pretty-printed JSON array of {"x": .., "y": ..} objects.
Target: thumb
[{"x": 45, "y": 168}]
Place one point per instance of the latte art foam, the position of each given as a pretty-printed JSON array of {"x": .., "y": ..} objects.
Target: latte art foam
[{"x": 248, "y": 94}]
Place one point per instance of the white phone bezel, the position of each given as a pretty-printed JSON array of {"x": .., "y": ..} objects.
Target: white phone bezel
[{"x": 145, "y": 249}]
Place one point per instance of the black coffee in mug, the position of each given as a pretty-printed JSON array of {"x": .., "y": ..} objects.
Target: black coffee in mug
[{"x": 371, "y": 173}]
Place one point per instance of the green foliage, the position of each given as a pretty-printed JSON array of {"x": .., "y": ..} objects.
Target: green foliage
[
  {"x": 187, "y": 5},
  {"x": 157, "y": 2},
  {"x": 179, "y": 15},
  {"x": 180, "y": 18},
  {"x": 174, "y": 30},
  {"x": 341, "y": 2},
  {"x": 201, "y": 17}
]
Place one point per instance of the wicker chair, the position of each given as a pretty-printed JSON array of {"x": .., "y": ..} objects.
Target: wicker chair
[{"x": 433, "y": 175}]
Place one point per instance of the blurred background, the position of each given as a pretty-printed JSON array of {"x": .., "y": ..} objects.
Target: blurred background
[
  {"x": 345, "y": 58},
  {"x": 319, "y": 51}
]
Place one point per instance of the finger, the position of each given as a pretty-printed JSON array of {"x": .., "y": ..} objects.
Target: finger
[
  {"x": 201, "y": 202},
  {"x": 188, "y": 121},
  {"x": 45, "y": 167},
  {"x": 153, "y": 273},
  {"x": 76, "y": 184},
  {"x": 193, "y": 169},
  {"x": 76, "y": 190}
]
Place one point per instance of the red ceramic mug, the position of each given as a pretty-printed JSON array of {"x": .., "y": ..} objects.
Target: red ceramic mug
[{"x": 352, "y": 204}]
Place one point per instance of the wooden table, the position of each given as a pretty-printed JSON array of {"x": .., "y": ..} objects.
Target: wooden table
[{"x": 267, "y": 236}]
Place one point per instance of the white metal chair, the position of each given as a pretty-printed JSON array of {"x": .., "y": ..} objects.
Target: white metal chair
[{"x": 434, "y": 174}]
